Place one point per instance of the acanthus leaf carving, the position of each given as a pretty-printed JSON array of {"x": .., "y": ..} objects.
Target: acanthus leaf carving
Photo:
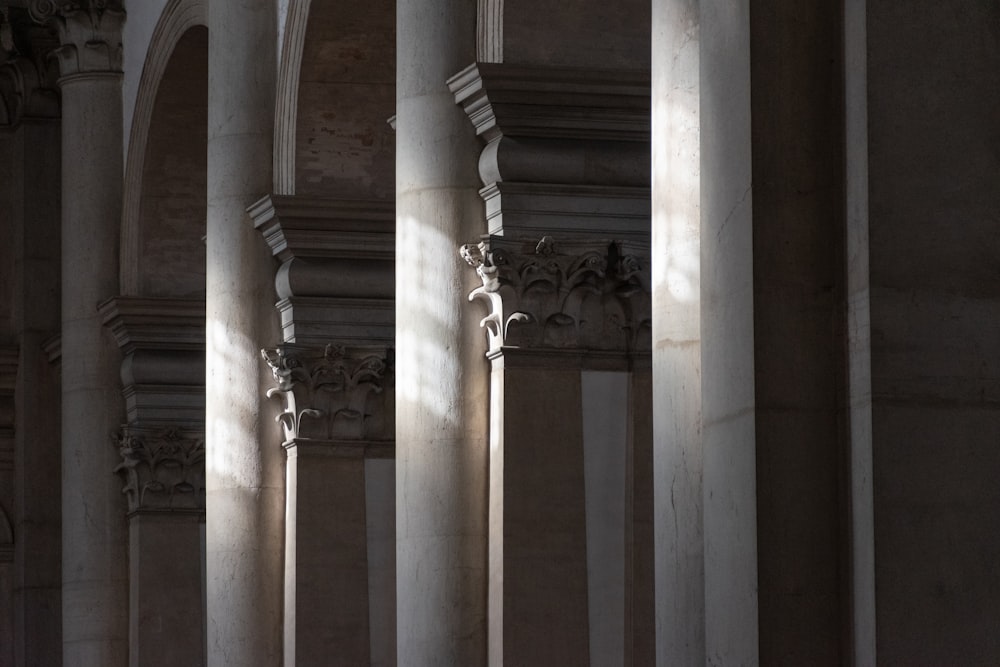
[
  {"x": 567, "y": 295},
  {"x": 163, "y": 469},
  {"x": 90, "y": 33},
  {"x": 337, "y": 392}
]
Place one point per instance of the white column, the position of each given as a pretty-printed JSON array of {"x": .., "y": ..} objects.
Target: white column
[
  {"x": 94, "y": 567},
  {"x": 441, "y": 379},
  {"x": 244, "y": 460},
  {"x": 729, "y": 487},
  {"x": 677, "y": 384}
]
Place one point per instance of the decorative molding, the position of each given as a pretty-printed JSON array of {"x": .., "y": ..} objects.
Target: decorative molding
[
  {"x": 287, "y": 100},
  {"x": 163, "y": 469},
  {"x": 90, "y": 33},
  {"x": 567, "y": 150},
  {"x": 554, "y": 102},
  {"x": 336, "y": 279},
  {"x": 579, "y": 294},
  {"x": 489, "y": 31},
  {"x": 334, "y": 392},
  {"x": 163, "y": 369}
]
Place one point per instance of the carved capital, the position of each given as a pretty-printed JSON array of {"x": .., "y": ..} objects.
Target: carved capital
[
  {"x": 90, "y": 33},
  {"x": 592, "y": 295},
  {"x": 163, "y": 469},
  {"x": 334, "y": 392}
]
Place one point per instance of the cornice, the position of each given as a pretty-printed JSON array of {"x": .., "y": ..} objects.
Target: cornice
[
  {"x": 155, "y": 323},
  {"x": 554, "y": 102},
  {"x": 316, "y": 227}
]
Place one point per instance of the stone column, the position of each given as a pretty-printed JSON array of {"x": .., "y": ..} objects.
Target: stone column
[
  {"x": 441, "y": 375},
  {"x": 676, "y": 243},
  {"x": 94, "y": 568},
  {"x": 729, "y": 492},
  {"x": 243, "y": 459}
]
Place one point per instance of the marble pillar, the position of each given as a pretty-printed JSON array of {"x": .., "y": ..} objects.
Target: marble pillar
[
  {"x": 677, "y": 382},
  {"x": 441, "y": 374},
  {"x": 729, "y": 493},
  {"x": 244, "y": 460},
  {"x": 94, "y": 567}
]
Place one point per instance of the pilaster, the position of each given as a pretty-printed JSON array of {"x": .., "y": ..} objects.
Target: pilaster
[
  {"x": 162, "y": 470},
  {"x": 334, "y": 375},
  {"x": 338, "y": 414},
  {"x": 568, "y": 325}
]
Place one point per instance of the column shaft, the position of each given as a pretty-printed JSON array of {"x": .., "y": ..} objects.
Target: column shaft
[
  {"x": 94, "y": 569},
  {"x": 729, "y": 492},
  {"x": 244, "y": 461},
  {"x": 442, "y": 375},
  {"x": 676, "y": 244}
]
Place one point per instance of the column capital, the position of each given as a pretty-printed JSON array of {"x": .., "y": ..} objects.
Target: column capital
[
  {"x": 573, "y": 294},
  {"x": 335, "y": 392},
  {"x": 28, "y": 75},
  {"x": 90, "y": 33},
  {"x": 163, "y": 469}
]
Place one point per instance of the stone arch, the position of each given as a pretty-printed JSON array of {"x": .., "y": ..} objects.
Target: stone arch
[
  {"x": 178, "y": 19},
  {"x": 336, "y": 92},
  {"x": 287, "y": 101}
]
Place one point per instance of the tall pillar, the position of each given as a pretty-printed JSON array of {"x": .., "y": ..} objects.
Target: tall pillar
[
  {"x": 676, "y": 244},
  {"x": 441, "y": 375},
  {"x": 244, "y": 460},
  {"x": 729, "y": 493},
  {"x": 94, "y": 569}
]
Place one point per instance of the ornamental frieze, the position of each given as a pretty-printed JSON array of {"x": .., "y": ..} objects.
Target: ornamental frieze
[
  {"x": 334, "y": 392},
  {"x": 163, "y": 469},
  {"x": 589, "y": 295}
]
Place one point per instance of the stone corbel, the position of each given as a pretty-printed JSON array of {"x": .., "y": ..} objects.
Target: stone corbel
[
  {"x": 573, "y": 295},
  {"x": 333, "y": 393},
  {"x": 163, "y": 469},
  {"x": 90, "y": 33}
]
